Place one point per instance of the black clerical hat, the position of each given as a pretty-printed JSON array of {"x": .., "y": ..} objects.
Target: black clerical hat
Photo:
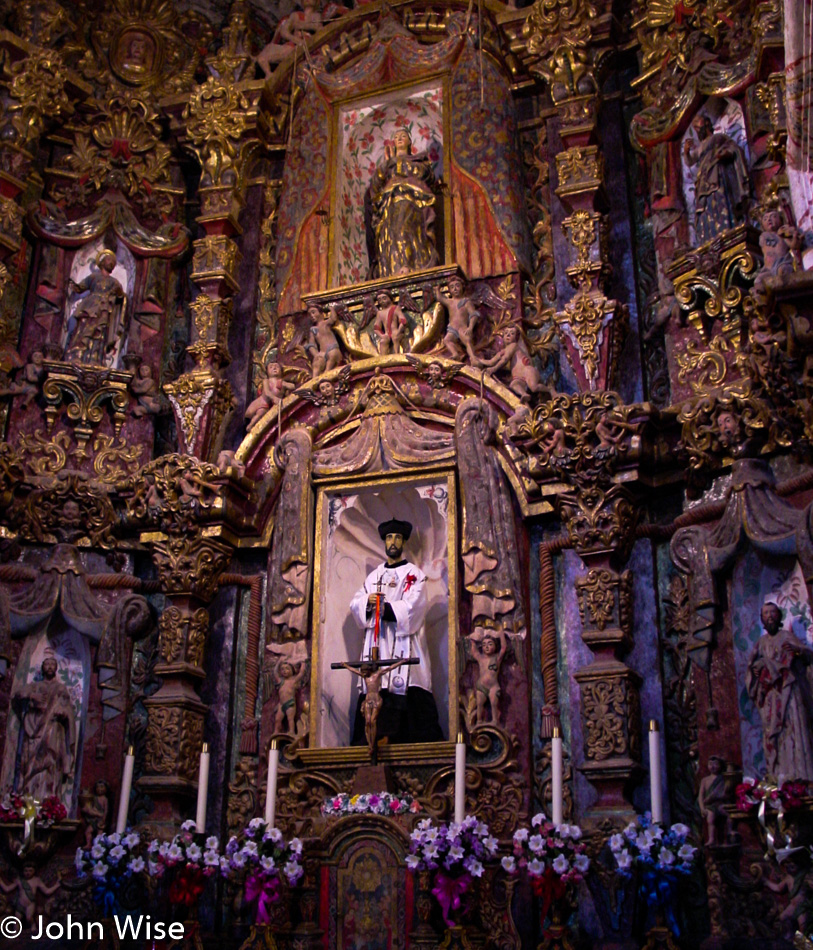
[{"x": 394, "y": 526}]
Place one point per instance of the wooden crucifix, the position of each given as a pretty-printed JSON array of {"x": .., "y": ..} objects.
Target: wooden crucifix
[{"x": 372, "y": 671}]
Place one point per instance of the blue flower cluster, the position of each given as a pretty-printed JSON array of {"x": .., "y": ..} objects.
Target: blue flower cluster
[{"x": 648, "y": 844}]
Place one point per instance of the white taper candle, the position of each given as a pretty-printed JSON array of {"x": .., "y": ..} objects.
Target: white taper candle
[
  {"x": 271, "y": 790},
  {"x": 556, "y": 775},
  {"x": 126, "y": 786},
  {"x": 459, "y": 779},
  {"x": 655, "y": 788},
  {"x": 203, "y": 789}
]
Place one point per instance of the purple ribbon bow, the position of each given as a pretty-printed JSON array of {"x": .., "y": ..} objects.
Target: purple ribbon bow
[
  {"x": 449, "y": 892},
  {"x": 263, "y": 889}
]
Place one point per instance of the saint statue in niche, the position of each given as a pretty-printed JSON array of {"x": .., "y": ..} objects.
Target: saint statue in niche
[
  {"x": 722, "y": 186},
  {"x": 391, "y": 608},
  {"x": 96, "y": 325},
  {"x": 399, "y": 211},
  {"x": 47, "y": 734},
  {"x": 778, "y": 681}
]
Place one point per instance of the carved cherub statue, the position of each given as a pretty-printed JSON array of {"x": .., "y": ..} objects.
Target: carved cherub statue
[
  {"x": 487, "y": 650},
  {"x": 463, "y": 319},
  {"x": 610, "y": 430},
  {"x": 144, "y": 387},
  {"x": 295, "y": 30},
  {"x": 711, "y": 796},
  {"x": 779, "y": 243},
  {"x": 29, "y": 886},
  {"x": 664, "y": 308},
  {"x": 390, "y": 324},
  {"x": 272, "y": 392},
  {"x": 28, "y": 381},
  {"x": 290, "y": 677},
  {"x": 227, "y": 461},
  {"x": 324, "y": 351},
  {"x": 95, "y": 809},
  {"x": 797, "y": 882},
  {"x": 194, "y": 488},
  {"x": 514, "y": 356}
]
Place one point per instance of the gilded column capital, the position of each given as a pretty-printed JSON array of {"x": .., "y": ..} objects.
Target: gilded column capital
[
  {"x": 191, "y": 565},
  {"x": 215, "y": 261},
  {"x": 216, "y": 116},
  {"x": 600, "y": 521}
]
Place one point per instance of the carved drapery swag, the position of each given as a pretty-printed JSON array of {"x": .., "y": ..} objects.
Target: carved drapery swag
[
  {"x": 291, "y": 547},
  {"x": 386, "y": 438},
  {"x": 754, "y": 514},
  {"x": 60, "y": 585},
  {"x": 488, "y": 546}
]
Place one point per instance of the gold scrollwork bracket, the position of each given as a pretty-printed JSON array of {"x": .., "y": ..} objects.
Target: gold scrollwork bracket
[{"x": 83, "y": 394}]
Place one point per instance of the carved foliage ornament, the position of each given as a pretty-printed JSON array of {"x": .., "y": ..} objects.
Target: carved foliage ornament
[
  {"x": 68, "y": 508},
  {"x": 586, "y": 322},
  {"x": 149, "y": 44},
  {"x": 190, "y": 396},
  {"x": 170, "y": 493},
  {"x": 733, "y": 423},
  {"x": 174, "y": 741},
  {"x": 37, "y": 87},
  {"x": 603, "y": 595},
  {"x": 600, "y": 520},
  {"x": 612, "y": 718},
  {"x": 216, "y": 117},
  {"x": 183, "y": 636},
  {"x": 215, "y": 255},
  {"x": 579, "y": 169},
  {"x": 582, "y": 438},
  {"x": 191, "y": 565},
  {"x": 83, "y": 395},
  {"x": 120, "y": 148},
  {"x": 553, "y": 21}
]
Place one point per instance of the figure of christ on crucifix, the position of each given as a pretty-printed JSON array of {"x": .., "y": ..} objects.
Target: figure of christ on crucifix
[
  {"x": 391, "y": 609},
  {"x": 371, "y": 673}
]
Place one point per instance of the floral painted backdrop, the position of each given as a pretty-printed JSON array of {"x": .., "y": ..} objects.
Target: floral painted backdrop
[{"x": 364, "y": 132}]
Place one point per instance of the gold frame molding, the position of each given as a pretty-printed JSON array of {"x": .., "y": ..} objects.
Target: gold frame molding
[
  {"x": 444, "y": 78},
  {"x": 405, "y": 479}
]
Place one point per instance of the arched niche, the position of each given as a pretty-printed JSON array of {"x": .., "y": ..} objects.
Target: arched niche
[
  {"x": 468, "y": 133},
  {"x": 391, "y": 440}
]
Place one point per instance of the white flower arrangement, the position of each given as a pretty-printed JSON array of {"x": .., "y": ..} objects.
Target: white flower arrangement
[
  {"x": 110, "y": 856},
  {"x": 263, "y": 849},
  {"x": 548, "y": 851},
  {"x": 454, "y": 849}
]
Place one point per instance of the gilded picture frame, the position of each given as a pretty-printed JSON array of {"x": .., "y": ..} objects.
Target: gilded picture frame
[{"x": 347, "y": 547}]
